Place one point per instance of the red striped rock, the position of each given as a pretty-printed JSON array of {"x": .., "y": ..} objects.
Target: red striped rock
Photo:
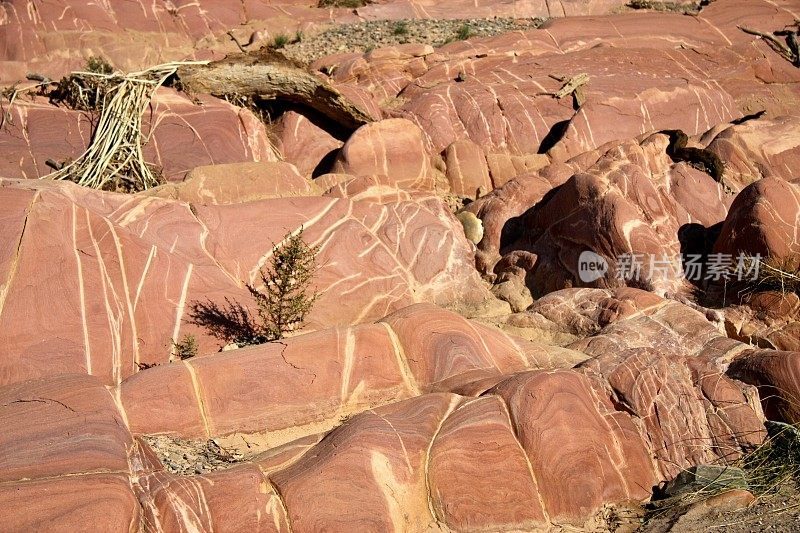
[
  {"x": 467, "y": 170},
  {"x": 369, "y": 474},
  {"x": 508, "y": 459},
  {"x": 498, "y": 92},
  {"x": 602, "y": 321},
  {"x": 391, "y": 415},
  {"x": 418, "y": 349},
  {"x": 303, "y": 143},
  {"x": 101, "y": 501},
  {"x": 758, "y": 149},
  {"x": 237, "y": 183},
  {"x": 126, "y": 270},
  {"x": 664, "y": 363},
  {"x": 504, "y": 203},
  {"x": 70, "y": 424},
  {"x": 392, "y": 147},
  {"x": 763, "y": 220},
  {"x": 377, "y": 188},
  {"x": 480, "y": 475},
  {"x": 184, "y": 136},
  {"x": 134, "y": 35},
  {"x": 630, "y": 188},
  {"x": 700, "y": 418},
  {"x": 599, "y": 456},
  {"x": 766, "y": 319},
  {"x": 238, "y": 499},
  {"x": 775, "y": 373},
  {"x": 64, "y": 453},
  {"x": 438, "y": 360}
]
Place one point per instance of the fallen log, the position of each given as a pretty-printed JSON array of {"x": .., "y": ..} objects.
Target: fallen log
[{"x": 273, "y": 80}]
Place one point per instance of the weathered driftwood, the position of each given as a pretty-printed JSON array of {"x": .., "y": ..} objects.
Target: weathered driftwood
[
  {"x": 790, "y": 52},
  {"x": 268, "y": 80}
]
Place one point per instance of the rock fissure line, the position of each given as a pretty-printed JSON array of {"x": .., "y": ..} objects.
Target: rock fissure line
[
  {"x": 454, "y": 401},
  {"x": 15, "y": 262},
  {"x": 201, "y": 406}
]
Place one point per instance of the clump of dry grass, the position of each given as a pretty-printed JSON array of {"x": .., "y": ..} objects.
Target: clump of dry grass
[
  {"x": 250, "y": 103},
  {"x": 770, "y": 274},
  {"x": 779, "y": 275},
  {"x": 83, "y": 91},
  {"x": 776, "y": 462},
  {"x": 767, "y": 470}
]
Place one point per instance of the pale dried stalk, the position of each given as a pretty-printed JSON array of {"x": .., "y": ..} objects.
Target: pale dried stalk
[{"x": 114, "y": 158}]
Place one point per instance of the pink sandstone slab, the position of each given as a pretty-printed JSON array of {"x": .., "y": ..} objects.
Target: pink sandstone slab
[
  {"x": 340, "y": 371},
  {"x": 182, "y": 135},
  {"x": 236, "y": 183},
  {"x": 126, "y": 270}
]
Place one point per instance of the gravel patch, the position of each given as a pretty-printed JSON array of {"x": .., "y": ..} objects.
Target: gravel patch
[
  {"x": 685, "y": 7},
  {"x": 365, "y": 36},
  {"x": 190, "y": 457}
]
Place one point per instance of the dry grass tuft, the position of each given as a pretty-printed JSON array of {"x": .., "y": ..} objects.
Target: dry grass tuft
[
  {"x": 779, "y": 274},
  {"x": 343, "y": 3},
  {"x": 768, "y": 470}
]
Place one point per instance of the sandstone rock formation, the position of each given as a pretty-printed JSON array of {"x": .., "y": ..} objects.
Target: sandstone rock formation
[
  {"x": 408, "y": 465},
  {"x": 458, "y": 370},
  {"x": 183, "y": 135},
  {"x": 763, "y": 220},
  {"x": 126, "y": 270}
]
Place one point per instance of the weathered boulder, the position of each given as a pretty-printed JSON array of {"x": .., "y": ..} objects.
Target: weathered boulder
[
  {"x": 756, "y": 149},
  {"x": 375, "y": 188},
  {"x": 639, "y": 198},
  {"x": 134, "y": 36},
  {"x": 511, "y": 448},
  {"x": 64, "y": 454},
  {"x": 775, "y": 373},
  {"x": 507, "y": 104},
  {"x": 467, "y": 170},
  {"x": 769, "y": 319},
  {"x": 303, "y": 143},
  {"x": 391, "y": 147},
  {"x": 763, "y": 220},
  {"x": 418, "y": 349}
]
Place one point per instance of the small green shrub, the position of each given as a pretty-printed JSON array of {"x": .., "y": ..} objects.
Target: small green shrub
[
  {"x": 464, "y": 32},
  {"x": 286, "y": 300},
  {"x": 99, "y": 65},
  {"x": 186, "y": 348},
  {"x": 280, "y": 40},
  {"x": 283, "y": 298},
  {"x": 400, "y": 27}
]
